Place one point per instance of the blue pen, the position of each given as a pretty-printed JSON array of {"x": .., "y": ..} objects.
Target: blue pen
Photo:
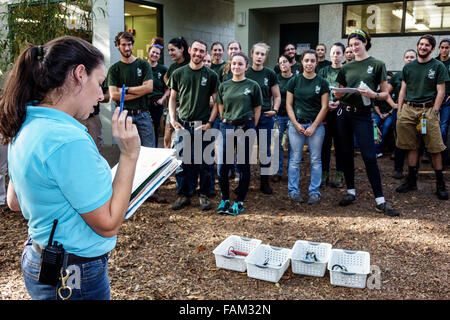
[{"x": 122, "y": 99}]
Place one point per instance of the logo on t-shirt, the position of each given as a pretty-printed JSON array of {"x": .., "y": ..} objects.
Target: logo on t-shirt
[
  {"x": 159, "y": 75},
  {"x": 204, "y": 81},
  {"x": 139, "y": 72},
  {"x": 247, "y": 91},
  {"x": 431, "y": 74},
  {"x": 297, "y": 72},
  {"x": 266, "y": 81},
  {"x": 369, "y": 69},
  {"x": 317, "y": 89}
]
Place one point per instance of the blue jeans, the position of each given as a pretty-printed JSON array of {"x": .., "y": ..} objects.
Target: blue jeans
[
  {"x": 385, "y": 125},
  {"x": 188, "y": 173},
  {"x": 283, "y": 122},
  {"x": 265, "y": 124},
  {"x": 89, "y": 281},
  {"x": 143, "y": 122},
  {"x": 445, "y": 120},
  {"x": 243, "y": 165},
  {"x": 297, "y": 141}
]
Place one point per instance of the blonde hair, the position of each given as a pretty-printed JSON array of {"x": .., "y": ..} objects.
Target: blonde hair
[{"x": 261, "y": 44}]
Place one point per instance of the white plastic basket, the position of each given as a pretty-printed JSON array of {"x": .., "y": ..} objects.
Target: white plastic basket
[
  {"x": 225, "y": 260},
  {"x": 268, "y": 263},
  {"x": 310, "y": 258},
  {"x": 349, "y": 268}
]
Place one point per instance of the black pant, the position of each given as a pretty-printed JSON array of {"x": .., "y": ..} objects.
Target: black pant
[
  {"x": 359, "y": 124},
  {"x": 156, "y": 111},
  {"x": 331, "y": 136}
]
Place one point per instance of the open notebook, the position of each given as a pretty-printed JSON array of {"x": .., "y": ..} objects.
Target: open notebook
[{"x": 153, "y": 167}]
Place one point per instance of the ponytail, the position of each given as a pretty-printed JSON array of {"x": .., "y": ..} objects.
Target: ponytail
[{"x": 39, "y": 70}]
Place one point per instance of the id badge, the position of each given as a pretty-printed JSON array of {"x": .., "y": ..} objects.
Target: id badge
[{"x": 423, "y": 125}]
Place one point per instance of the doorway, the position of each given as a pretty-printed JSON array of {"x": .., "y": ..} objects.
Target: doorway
[{"x": 302, "y": 35}]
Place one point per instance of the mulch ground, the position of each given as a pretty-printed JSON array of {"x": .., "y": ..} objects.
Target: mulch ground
[{"x": 166, "y": 254}]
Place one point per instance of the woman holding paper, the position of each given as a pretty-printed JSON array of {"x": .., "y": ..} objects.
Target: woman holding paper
[
  {"x": 239, "y": 101},
  {"x": 56, "y": 170},
  {"x": 306, "y": 105},
  {"x": 365, "y": 74}
]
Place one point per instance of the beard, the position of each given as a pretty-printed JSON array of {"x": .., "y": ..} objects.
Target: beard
[{"x": 423, "y": 56}]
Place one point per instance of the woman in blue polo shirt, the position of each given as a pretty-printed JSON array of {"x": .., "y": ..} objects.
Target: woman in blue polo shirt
[{"x": 56, "y": 170}]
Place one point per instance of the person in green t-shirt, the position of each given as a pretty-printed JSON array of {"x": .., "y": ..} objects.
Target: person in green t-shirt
[
  {"x": 307, "y": 105},
  {"x": 217, "y": 51},
  {"x": 158, "y": 97},
  {"x": 239, "y": 103},
  {"x": 136, "y": 75},
  {"x": 178, "y": 51},
  {"x": 290, "y": 51},
  {"x": 330, "y": 73},
  {"x": 193, "y": 84},
  {"x": 394, "y": 85},
  {"x": 267, "y": 80},
  {"x": 321, "y": 50},
  {"x": 354, "y": 117},
  {"x": 286, "y": 74},
  {"x": 419, "y": 101},
  {"x": 444, "y": 57}
]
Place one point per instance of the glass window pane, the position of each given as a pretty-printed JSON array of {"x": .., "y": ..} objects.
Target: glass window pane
[
  {"x": 377, "y": 18},
  {"x": 427, "y": 16}
]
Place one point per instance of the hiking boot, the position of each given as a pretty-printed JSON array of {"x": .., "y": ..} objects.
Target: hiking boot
[
  {"x": 314, "y": 198},
  {"x": 181, "y": 202},
  {"x": 409, "y": 185},
  {"x": 204, "y": 202},
  {"x": 238, "y": 207},
  {"x": 265, "y": 188},
  {"x": 347, "y": 199},
  {"x": 325, "y": 179},
  {"x": 338, "y": 180},
  {"x": 397, "y": 174},
  {"x": 441, "y": 191},
  {"x": 224, "y": 206},
  {"x": 387, "y": 209},
  {"x": 296, "y": 198}
]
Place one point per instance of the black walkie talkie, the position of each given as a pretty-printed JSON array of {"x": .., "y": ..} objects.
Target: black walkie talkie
[{"x": 51, "y": 260}]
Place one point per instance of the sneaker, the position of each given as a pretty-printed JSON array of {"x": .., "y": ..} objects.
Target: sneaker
[
  {"x": 407, "y": 186},
  {"x": 204, "y": 202},
  {"x": 347, "y": 199},
  {"x": 324, "y": 179},
  {"x": 237, "y": 208},
  {"x": 181, "y": 202},
  {"x": 265, "y": 187},
  {"x": 387, "y": 209},
  {"x": 397, "y": 175},
  {"x": 441, "y": 191},
  {"x": 314, "y": 198},
  {"x": 379, "y": 155},
  {"x": 224, "y": 206},
  {"x": 296, "y": 198},
  {"x": 338, "y": 180}
]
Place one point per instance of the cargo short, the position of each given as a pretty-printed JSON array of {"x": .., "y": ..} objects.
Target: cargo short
[{"x": 408, "y": 138}]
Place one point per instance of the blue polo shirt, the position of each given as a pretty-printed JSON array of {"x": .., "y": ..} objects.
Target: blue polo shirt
[{"x": 58, "y": 173}]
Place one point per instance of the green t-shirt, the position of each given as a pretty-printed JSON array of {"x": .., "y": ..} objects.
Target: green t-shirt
[
  {"x": 217, "y": 67},
  {"x": 323, "y": 64},
  {"x": 228, "y": 76},
  {"x": 447, "y": 84},
  {"x": 266, "y": 78},
  {"x": 371, "y": 71},
  {"x": 239, "y": 98},
  {"x": 383, "y": 106},
  {"x": 330, "y": 74},
  {"x": 174, "y": 66},
  {"x": 307, "y": 95},
  {"x": 396, "y": 83},
  {"x": 132, "y": 75},
  {"x": 295, "y": 68},
  {"x": 194, "y": 89},
  {"x": 282, "y": 81},
  {"x": 422, "y": 78},
  {"x": 159, "y": 87}
]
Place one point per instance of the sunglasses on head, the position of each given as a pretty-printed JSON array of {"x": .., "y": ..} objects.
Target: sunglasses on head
[{"x": 157, "y": 45}]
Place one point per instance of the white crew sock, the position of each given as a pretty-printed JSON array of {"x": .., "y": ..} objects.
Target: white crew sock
[
  {"x": 380, "y": 200},
  {"x": 352, "y": 192}
]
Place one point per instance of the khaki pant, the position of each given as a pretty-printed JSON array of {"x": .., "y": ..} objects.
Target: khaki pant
[{"x": 408, "y": 138}]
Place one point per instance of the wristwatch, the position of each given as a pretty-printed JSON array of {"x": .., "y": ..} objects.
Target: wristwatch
[
  {"x": 276, "y": 111},
  {"x": 211, "y": 123},
  {"x": 377, "y": 96},
  {"x": 126, "y": 90}
]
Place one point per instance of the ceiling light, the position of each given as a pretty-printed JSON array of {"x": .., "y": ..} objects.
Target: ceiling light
[
  {"x": 127, "y": 14},
  {"x": 147, "y": 7}
]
